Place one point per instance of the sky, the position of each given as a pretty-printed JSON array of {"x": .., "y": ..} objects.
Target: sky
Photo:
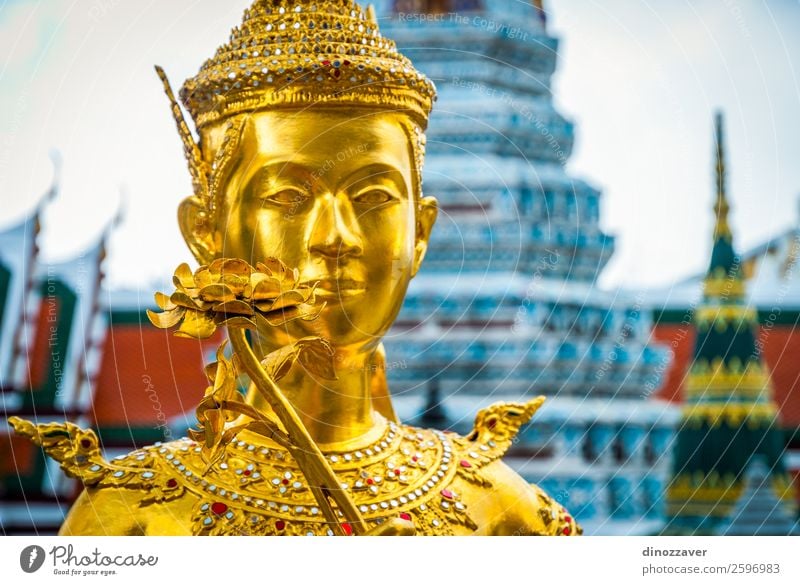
[{"x": 641, "y": 80}]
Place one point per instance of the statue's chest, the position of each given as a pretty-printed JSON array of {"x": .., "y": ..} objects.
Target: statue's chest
[{"x": 257, "y": 491}]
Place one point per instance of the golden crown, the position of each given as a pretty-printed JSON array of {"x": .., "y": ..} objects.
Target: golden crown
[{"x": 304, "y": 52}]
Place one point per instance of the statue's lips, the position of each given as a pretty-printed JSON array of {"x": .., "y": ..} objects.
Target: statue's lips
[{"x": 337, "y": 288}]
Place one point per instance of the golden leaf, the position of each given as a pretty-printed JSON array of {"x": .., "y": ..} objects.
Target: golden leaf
[
  {"x": 315, "y": 353},
  {"x": 317, "y": 356},
  {"x": 213, "y": 426}
]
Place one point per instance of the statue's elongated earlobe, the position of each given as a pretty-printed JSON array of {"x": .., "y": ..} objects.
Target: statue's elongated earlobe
[{"x": 427, "y": 211}]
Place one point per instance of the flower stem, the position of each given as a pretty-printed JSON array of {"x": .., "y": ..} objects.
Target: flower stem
[{"x": 321, "y": 479}]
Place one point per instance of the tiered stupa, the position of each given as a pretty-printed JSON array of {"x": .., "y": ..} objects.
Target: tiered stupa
[{"x": 506, "y": 304}]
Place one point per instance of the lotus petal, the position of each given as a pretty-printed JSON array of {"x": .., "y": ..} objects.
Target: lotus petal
[
  {"x": 203, "y": 277},
  {"x": 167, "y": 319},
  {"x": 234, "y": 307},
  {"x": 237, "y": 266},
  {"x": 281, "y": 316},
  {"x": 235, "y": 282},
  {"x": 217, "y": 293},
  {"x": 196, "y": 325},
  {"x": 215, "y": 268},
  {"x": 183, "y": 276},
  {"x": 290, "y": 298},
  {"x": 163, "y": 302},
  {"x": 274, "y": 267},
  {"x": 183, "y": 300},
  {"x": 267, "y": 288}
]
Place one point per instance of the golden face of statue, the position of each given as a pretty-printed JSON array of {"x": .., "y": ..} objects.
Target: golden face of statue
[{"x": 333, "y": 193}]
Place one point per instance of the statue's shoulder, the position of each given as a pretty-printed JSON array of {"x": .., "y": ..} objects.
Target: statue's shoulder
[{"x": 116, "y": 489}]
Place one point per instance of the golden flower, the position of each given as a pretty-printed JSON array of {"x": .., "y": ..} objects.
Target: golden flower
[{"x": 231, "y": 292}]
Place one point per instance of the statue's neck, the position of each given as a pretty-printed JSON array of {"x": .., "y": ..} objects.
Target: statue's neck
[{"x": 333, "y": 411}]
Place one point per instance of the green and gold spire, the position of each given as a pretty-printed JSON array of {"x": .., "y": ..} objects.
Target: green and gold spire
[
  {"x": 724, "y": 280},
  {"x": 729, "y": 415}
]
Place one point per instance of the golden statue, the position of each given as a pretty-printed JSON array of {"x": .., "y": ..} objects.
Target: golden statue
[{"x": 308, "y": 221}]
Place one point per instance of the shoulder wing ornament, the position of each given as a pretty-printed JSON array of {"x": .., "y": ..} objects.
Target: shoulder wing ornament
[
  {"x": 77, "y": 451},
  {"x": 495, "y": 430}
]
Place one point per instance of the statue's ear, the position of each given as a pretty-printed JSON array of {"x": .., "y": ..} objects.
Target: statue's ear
[
  {"x": 197, "y": 229},
  {"x": 427, "y": 211}
]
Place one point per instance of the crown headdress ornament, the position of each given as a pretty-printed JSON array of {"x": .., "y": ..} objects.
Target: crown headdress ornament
[{"x": 298, "y": 53}]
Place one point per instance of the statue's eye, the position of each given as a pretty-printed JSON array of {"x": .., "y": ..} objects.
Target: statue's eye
[
  {"x": 373, "y": 196},
  {"x": 286, "y": 197}
]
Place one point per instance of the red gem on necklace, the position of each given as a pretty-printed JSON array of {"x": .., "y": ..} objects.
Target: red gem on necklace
[
  {"x": 348, "y": 530},
  {"x": 370, "y": 481},
  {"x": 405, "y": 516},
  {"x": 280, "y": 524},
  {"x": 219, "y": 508},
  {"x": 285, "y": 481},
  {"x": 171, "y": 483},
  {"x": 448, "y": 494},
  {"x": 248, "y": 472},
  {"x": 464, "y": 463},
  {"x": 397, "y": 472}
]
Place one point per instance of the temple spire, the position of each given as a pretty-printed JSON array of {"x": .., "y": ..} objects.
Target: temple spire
[
  {"x": 724, "y": 278},
  {"x": 721, "y": 206}
]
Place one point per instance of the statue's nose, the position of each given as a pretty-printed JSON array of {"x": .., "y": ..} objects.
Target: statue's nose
[{"x": 335, "y": 232}]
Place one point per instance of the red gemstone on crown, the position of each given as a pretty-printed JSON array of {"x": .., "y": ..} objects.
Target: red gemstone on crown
[
  {"x": 448, "y": 494},
  {"x": 280, "y": 524},
  {"x": 397, "y": 472},
  {"x": 405, "y": 516},
  {"x": 285, "y": 481},
  {"x": 568, "y": 518},
  {"x": 86, "y": 443},
  {"x": 465, "y": 463},
  {"x": 567, "y": 531},
  {"x": 370, "y": 481},
  {"x": 348, "y": 530},
  {"x": 219, "y": 508},
  {"x": 171, "y": 483},
  {"x": 247, "y": 472},
  {"x": 491, "y": 423}
]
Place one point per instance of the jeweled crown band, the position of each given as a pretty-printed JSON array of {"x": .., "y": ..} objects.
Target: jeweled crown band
[{"x": 302, "y": 53}]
